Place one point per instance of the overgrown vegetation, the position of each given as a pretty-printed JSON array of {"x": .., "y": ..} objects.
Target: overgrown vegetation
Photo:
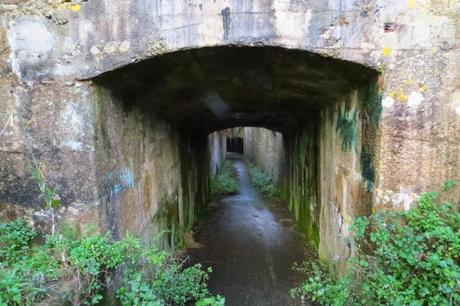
[
  {"x": 29, "y": 274},
  {"x": 403, "y": 258},
  {"x": 225, "y": 182},
  {"x": 264, "y": 182}
]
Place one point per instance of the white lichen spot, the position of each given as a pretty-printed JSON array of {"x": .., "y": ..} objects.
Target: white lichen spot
[
  {"x": 111, "y": 47},
  {"x": 399, "y": 200},
  {"x": 31, "y": 42},
  {"x": 73, "y": 145},
  {"x": 124, "y": 46},
  {"x": 288, "y": 23},
  {"x": 72, "y": 127},
  {"x": 415, "y": 98},
  {"x": 456, "y": 101},
  {"x": 367, "y": 46},
  {"x": 95, "y": 50},
  {"x": 388, "y": 102}
]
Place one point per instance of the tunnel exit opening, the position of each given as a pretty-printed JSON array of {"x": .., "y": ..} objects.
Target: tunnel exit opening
[
  {"x": 159, "y": 121},
  {"x": 235, "y": 145}
]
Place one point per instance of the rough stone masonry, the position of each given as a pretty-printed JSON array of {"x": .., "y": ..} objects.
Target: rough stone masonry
[{"x": 365, "y": 92}]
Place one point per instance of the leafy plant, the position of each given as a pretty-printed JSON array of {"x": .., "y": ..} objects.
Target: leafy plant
[
  {"x": 29, "y": 275},
  {"x": 25, "y": 273},
  {"x": 15, "y": 237},
  {"x": 404, "y": 258},
  {"x": 51, "y": 198},
  {"x": 225, "y": 181},
  {"x": 166, "y": 283},
  {"x": 264, "y": 182}
]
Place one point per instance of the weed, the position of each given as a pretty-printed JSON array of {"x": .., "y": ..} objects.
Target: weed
[
  {"x": 51, "y": 198},
  {"x": 225, "y": 182},
  {"x": 264, "y": 182}
]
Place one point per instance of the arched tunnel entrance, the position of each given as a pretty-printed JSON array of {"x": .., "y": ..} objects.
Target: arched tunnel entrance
[{"x": 159, "y": 145}]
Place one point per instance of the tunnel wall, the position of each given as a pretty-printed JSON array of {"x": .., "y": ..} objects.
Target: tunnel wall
[
  {"x": 329, "y": 172},
  {"x": 217, "y": 151},
  {"x": 53, "y": 126},
  {"x": 152, "y": 177},
  {"x": 264, "y": 148},
  {"x": 300, "y": 178},
  {"x": 348, "y": 148},
  {"x": 291, "y": 159}
]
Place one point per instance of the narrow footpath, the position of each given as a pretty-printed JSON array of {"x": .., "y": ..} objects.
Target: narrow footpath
[{"x": 251, "y": 246}]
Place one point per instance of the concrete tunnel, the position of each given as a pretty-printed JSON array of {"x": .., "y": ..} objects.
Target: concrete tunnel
[{"x": 166, "y": 113}]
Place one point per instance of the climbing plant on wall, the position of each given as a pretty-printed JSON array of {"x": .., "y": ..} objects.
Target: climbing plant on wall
[{"x": 403, "y": 258}]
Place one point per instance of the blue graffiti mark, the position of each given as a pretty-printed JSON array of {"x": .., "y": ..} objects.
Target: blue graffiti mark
[{"x": 119, "y": 181}]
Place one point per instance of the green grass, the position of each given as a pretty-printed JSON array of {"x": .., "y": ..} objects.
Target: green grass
[
  {"x": 264, "y": 182},
  {"x": 225, "y": 182}
]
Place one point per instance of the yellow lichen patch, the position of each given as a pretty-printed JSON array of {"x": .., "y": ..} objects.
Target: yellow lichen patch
[
  {"x": 386, "y": 51},
  {"x": 408, "y": 82},
  {"x": 411, "y": 4},
  {"x": 399, "y": 95},
  {"x": 75, "y": 8},
  {"x": 422, "y": 87},
  {"x": 61, "y": 6}
]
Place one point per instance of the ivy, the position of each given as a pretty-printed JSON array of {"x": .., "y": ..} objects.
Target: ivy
[{"x": 404, "y": 258}]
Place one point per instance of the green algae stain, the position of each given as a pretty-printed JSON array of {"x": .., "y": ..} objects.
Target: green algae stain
[
  {"x": 347, "y": 126},
  {"x": 167, "y": 218},
  {"x": 371, "y": 107},
  {"x": 301, "y": 182},
  {"x": 368, "y": 169}
]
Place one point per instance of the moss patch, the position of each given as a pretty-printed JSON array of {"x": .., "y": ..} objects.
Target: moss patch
[
  {"x": 371, "y": 108},
  {"x": 347, "y": 126},
  {"x": 300, "y": 183},
  {"x": 167, "y": 219}
]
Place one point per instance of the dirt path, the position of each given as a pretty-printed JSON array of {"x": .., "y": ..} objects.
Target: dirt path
[{"x": 251, "y": 246}]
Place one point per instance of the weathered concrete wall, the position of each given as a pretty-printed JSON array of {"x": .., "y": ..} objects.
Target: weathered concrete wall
[
  {"x": 264, "y": 148},
  {"x": 414, "y": 43},
  {"x": 48, "y": 47},
  {"x": 218, "y": 149},
  {"x": 52, "y": 123},
  {"x": 300, "y": 178},
  {"x": 152, "y": 177},
  {"x": 329, "y": 171},
  {"x": 348, "y": 144}
]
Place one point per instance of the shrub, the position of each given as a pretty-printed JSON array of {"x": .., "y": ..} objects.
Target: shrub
[
  {"x": 225, "y": 181},
  {"x": 264, "y": 182},
  {"x": 15, "y": 237},
  {"x": 26, "y": 273},
  {"x": 30, "y": 274},
  {"x": 166, "y": 281},
  {"x": 412, "y": 258}
]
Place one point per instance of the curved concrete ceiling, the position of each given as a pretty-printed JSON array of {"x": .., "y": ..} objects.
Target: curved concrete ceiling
[{"x": 213, "y": 88}]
